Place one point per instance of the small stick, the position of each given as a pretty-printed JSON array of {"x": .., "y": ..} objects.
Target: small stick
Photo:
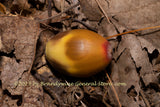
[
  {"x": 153, "y": 104},
  {"x": 144, "y": 98},
  {"x": 80, "y": 101},
  {"x": 23, "y": 7},
  {"x": 109, "y": 37},
  {"x": 76, "y": 95},
  {"x": 105, "y": 14},
  {"x": 59, "y": 13},
  {"x": 62, "y": 5},
  {"x": 114, "y": 90},
  {"x": 105, "y": 101}
]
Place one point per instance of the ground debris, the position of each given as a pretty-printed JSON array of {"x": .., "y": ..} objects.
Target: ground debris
[{"x": 27, "y": 79}]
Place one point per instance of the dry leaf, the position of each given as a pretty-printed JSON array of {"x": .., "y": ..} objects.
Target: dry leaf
[
  {"x": 18, "y": 37},
  {"x": 45, "y": 76},
  {"x": 41, "y": 44},
  {"x": 135, "y": 14},
  {"x": 91, "y": 10},
  {"x": 61, "y": 4},
  {"x": 125, "y": 80},
  {"x": 22, "y": 3},
  {"x": 33, "y": 95},
  {"x": 135, "y": 64},
  {"x": 2, "y": 8}
]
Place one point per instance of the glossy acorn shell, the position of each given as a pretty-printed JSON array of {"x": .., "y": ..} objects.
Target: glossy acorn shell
[{"x": 78, "y": 53}]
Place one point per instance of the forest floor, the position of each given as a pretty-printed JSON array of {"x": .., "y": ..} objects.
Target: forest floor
[{"x": 132, "y": 79}]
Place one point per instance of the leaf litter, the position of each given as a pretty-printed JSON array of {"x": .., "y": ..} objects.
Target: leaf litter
[{"x": 134, "y": 69}]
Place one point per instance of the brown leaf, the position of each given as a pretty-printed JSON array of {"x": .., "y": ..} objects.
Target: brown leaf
[
  {"x": 33, "y": 95},
  {"x": 124, "y": 73},
  {"x": 41, "y": 43},
  {"x": 59, "y": 4},
  {"x": 1, "y": 92},
  {"x": 140, "y": 58},
  {"x": 11, "y": 73},
  {"x": 150, "y": 42},
  {"x": 18, "y": 37},
  {"x": 45, "y": 76},
  {"x": 22, "y": 3},
  {"x": 135, "y": 14},
  {"x": 91, "y": 10}
]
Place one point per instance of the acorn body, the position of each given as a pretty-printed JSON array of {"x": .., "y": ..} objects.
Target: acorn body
[{"x": 78, "y": 53}]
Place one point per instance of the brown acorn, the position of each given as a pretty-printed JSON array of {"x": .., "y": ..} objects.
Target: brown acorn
[{"x": 78, "y": 53}]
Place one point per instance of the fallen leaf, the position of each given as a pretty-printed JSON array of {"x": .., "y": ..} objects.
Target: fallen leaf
[
  {"x": 91, "y": 10},
  {"x": 18, "y": 37},
  {"x": 125, "y": 78},
  {"x": 2, "y": 9}
]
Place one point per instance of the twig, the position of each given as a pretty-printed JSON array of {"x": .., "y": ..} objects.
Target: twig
[
  {"x": 23, "y": 7},
  {"x": 153, "y": 104},
  {"x": 43, "y": 25},
  {"x": 114, "y": 90},
  {"x": 105, "y": 14},
  {"x": 62, "y": 5},
  {"x": 80, "y": 100},
  {"x": 59, "y": 13},
  {"x": 105, "y": 101},
  {"x": 77, "y": 96},
  {"x": 144, "y": 98},
  {"x": 109, "y": 37}
]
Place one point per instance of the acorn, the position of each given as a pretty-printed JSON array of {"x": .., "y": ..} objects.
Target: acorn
[{"x": 78, "y": 53}]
